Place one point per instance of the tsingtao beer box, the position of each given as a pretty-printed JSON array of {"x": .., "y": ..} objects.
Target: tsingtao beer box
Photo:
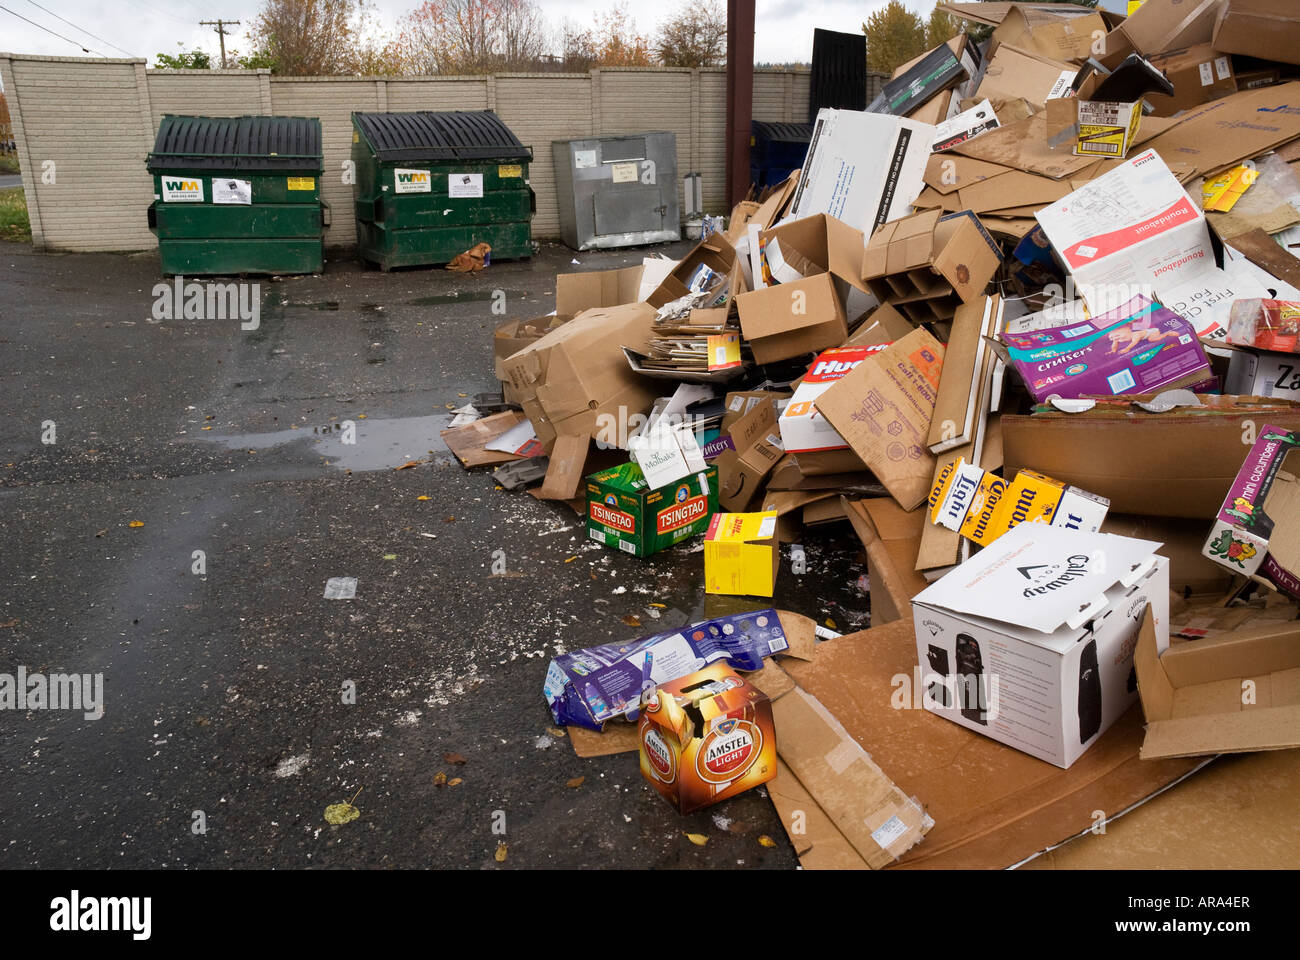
[
  {"x": 706, "y": 737},
  {"x": 624, "y": 512}
]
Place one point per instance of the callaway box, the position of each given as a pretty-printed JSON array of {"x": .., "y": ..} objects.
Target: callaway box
[
  {"x": 624, "y": 512},
  {"x": 706, "y": 737},
  {"x": 1031, "y": 641}
]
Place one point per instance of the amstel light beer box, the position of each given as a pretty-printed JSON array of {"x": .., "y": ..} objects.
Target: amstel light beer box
[
  {"x": 625, "y": 513},
  {"x": 706, "y": 737}
]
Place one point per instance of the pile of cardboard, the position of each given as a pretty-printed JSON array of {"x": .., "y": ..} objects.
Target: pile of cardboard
[{"x": 992, "y": 324}]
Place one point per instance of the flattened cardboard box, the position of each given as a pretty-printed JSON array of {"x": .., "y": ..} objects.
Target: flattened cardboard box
[
  {"x": 882, "y": 409},
  {"x": 1231, "y": 693},
  {"x": 994, "y": 807},
  {"x": 892, "y": 539},
  {"x": 754, "y": 452},
  {"x": 1268, "y": 29},
  {"x": 1069, "y": 34},
  {"x": 1164, "y": 465}
]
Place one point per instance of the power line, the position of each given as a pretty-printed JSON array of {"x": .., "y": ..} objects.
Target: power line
[
  {"x": 81, "y": 29},
  {"x": 84, "y": 49}
]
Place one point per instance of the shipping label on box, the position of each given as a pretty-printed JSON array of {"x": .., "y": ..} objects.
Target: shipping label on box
[
  {"x": 625, "y": 512},
  {"x": 1138, "y": 348},
  {"x": 741, "y": 554},
  {"x": 590, "y": 686},
  {"x": 1031, "y": 641},
  {"x": 706, "y": 737},
  {"x": 1257, "y": 531},
  {"x": 1106, "y": 129}
]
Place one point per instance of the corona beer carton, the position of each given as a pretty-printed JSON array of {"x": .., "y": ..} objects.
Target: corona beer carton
[
  {"x": 624, "y": 512},
  {"x": 706, "y": 737}
]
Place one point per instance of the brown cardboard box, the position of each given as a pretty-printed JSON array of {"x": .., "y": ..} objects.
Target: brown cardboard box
[
  {"x": 883, "y": 325},
  {"x": 880, "y": 821},
  {"x": 793, "y": 319},
  {"x": 882, "y": 408},
  {"x": 1013, "y": 73},
  {"x": 576, "y": 292},
  {"x": 1227, "y": 694},
  {"x": 1067, "y": 34},
  {"x": 757, "y": 449},
  {"x": 826, "y": 244},
  {"x": 928, "y": 264},
  {"x": 1225, "y": 132},
  {"x": 513, "y": 335},
  {"x": 1181, "y": 541},
  {"x": 570, "y": 377},
  {"x": 1199, "y": 74},
  {"x": 1159, "y": 26},
  {"x": 993, "y": 806},
  {"x": 892, "y": 539},
  {"x": 718, "y": 254},
  {"x": 1268, "y": 29},
  {"x": 1165, "y": 465}
]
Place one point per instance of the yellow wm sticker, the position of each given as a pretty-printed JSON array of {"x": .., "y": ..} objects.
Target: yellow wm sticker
[
  {"x": 302, "y": 183},
  {"x": 510, "y": 170}
]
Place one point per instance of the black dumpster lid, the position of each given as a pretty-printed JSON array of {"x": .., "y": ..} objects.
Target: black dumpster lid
[
  {"x": 236, "y": 143},
  {"x": 445, "y": 135},
  {"x": 791, "y": 132}
]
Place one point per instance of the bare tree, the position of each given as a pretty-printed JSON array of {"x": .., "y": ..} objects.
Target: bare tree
[
  {"x": 472, "y": 36},
  {"x": 310, "y": 37},
  {"x": 696, "y": 36}
]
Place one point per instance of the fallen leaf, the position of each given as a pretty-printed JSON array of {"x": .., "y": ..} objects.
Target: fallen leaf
[
  {"x": 660, "y": 606},
  {"x": 455, "y": 758},
  {"x": 390, "y": 556},
  {"x": 408, "y": 465},
  {"x": 766, "y": 841},
  {"x": 448, "y": 519},
  {"x": 557, "y": 731},
  {"x": 500, "y": 855},
  {"x": 207, "y": 428},
  {"x": 698, "y": 839},
  {"x": 101, "y": 533},
  {"x": 455, "y": 782},
  {"x": 462, "y": 394},
  {"x": 341, "y": 813},
  {"x": 421, "y": 497},
  {"x": 10, "y": 623},
  {"x": 832, "y": 624},
  {"x": 439, "y": 779},
  {"x": 571, "y": 559},
  {"x": 632, "y": 620},
  {"x": 575, "y": 782},
  {"x": 136, "y": 523},
  {"x": 360, "y": 416}
]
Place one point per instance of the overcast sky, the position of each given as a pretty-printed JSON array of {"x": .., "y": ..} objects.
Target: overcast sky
[{"x": 145, "y": 27}]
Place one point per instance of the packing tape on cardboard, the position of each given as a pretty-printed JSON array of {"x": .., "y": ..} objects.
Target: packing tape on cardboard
[
  {"x": 704, "y": 484},
  {"x": 842, "y": 755}
]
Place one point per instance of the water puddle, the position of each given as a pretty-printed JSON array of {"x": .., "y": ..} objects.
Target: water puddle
[{"x": 366, "y": 445}]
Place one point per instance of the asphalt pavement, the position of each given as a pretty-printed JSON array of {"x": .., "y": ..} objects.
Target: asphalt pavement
[{"x": 176, "y": 536}]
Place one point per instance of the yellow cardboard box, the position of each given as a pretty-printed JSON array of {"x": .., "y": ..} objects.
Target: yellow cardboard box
[{"x": 741, "y": 554}]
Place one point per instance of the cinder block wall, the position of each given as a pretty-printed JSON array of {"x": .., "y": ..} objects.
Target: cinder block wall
[{"x": 84, "y": 126}]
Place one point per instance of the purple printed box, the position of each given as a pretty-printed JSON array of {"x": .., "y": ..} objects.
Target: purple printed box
[
  {"x": 1140, "y": 347},
  {"x": 1257, "y": 531}
]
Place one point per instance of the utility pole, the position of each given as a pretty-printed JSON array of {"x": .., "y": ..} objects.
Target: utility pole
[{"x": 221, "y": 32}]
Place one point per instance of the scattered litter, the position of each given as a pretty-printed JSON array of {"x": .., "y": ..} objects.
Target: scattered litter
[{"x": 340, "y": 588}]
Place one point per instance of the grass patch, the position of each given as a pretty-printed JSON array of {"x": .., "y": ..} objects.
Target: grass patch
[
  {"x": 13, "y": 215},
  {"x": 9, "y": 163}
]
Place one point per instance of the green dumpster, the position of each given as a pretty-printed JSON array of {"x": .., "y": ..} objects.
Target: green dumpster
[
  {"x": 238, "y": 195},
  {"x": 432, "y": 185}
]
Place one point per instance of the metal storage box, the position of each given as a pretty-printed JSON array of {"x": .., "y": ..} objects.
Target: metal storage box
[
  {"x": 431, "y": 185},
  {"x": 238, "y": 195},
  {"x": 617, "y": 191},
  {"x": 775, "y": 150}
]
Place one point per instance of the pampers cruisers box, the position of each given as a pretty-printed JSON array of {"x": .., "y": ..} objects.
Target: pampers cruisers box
[
  {"x": 1140, "y": 347},
  {"x": 706, "y": 737},
  {"x": 1031, "y": 641}
]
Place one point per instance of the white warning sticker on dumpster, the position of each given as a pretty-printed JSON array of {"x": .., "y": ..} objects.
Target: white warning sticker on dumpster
[
  {"x": 411, "y": 181},
  {"x": 464, "y": 184},
  {"x": 182, "y": 190},
  {"x": 225, "y": 190}
]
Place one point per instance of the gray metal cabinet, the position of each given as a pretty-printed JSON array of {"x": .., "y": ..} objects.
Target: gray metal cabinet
[{"x": 617, "y": 191}]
